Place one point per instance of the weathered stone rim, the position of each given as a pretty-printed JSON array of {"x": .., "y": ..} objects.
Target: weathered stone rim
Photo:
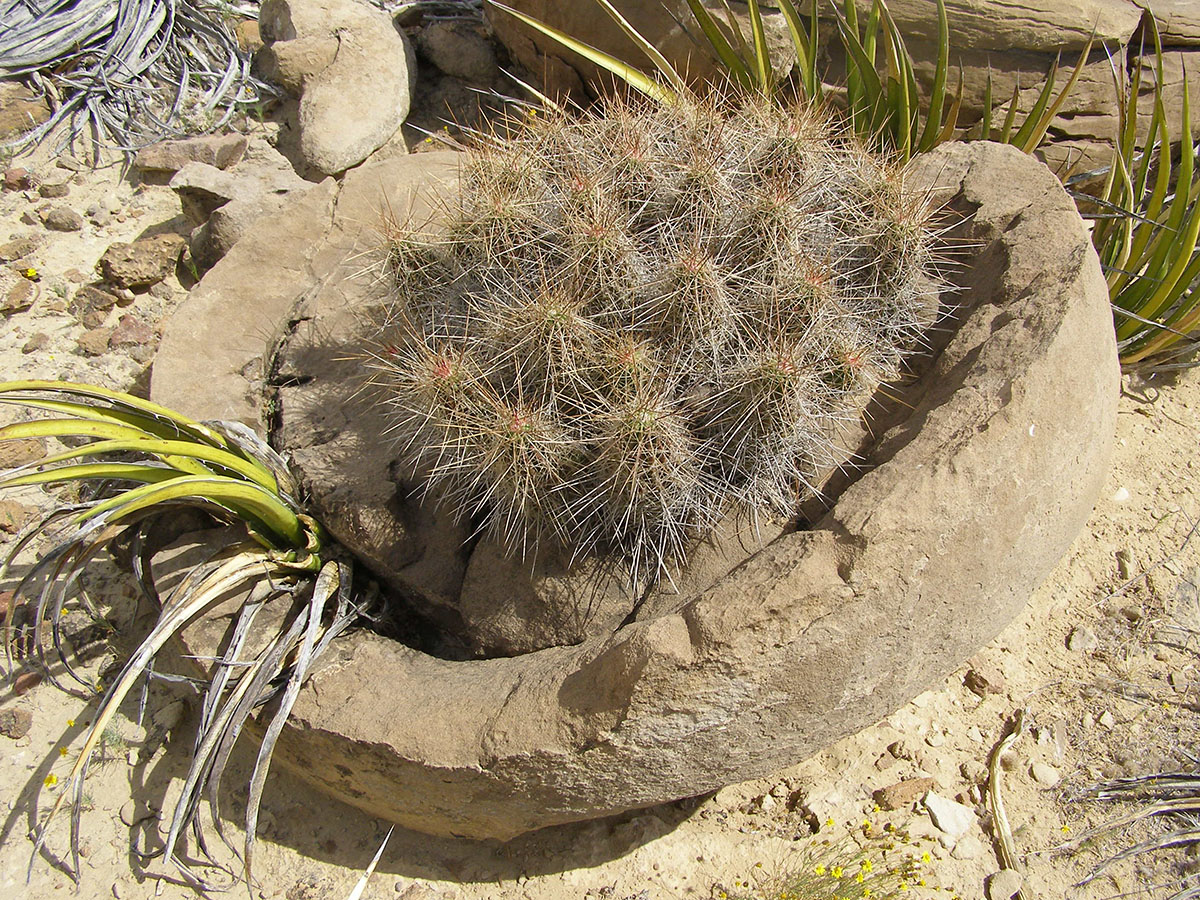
[{"x": 814, "y": 637}]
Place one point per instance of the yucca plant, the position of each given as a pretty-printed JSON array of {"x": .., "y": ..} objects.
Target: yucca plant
[
  {"x": 1148, "y": 227},
  {"x": 883, "y": 107},
  {"x": 146, "y": 461}
]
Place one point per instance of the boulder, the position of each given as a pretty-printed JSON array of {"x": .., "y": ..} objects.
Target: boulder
[
  {"x": 459, "y": 48},
  {"x": 351, "y": 69},
  {"x": 974, "y": 488}
]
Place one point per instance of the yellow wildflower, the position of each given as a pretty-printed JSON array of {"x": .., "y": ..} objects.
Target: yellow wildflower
[
  {"x": 51, "y": 780},
  {"x": 819, "y": 869},
  {"x": 836, "y": 871}
]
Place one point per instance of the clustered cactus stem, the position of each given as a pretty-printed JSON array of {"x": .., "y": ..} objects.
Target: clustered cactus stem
[{"x": 636, "y": 322}]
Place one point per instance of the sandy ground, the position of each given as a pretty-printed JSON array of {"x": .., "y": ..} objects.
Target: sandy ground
[{"x": 1103, "y": 660}]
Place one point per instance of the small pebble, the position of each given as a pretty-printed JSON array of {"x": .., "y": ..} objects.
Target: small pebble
[
  {"x": 15, "y": 723},
  {"x": 1106, "y": 720},
  {"x": 967, "y": 847},
  {"x": 53, "y": 190},
  {"x": 974, "y": 771},
  {"x": 1122, "y": 495},
  {"x": 1044, "y": 774},
  {"x": 1082, "y": 639},
  {"x": 1125, "y": 563},
  {"x": 1132, "y": 614},
  {"x": 63, "y": 218},
  {"x": 1003, "y": 884},
  {"x": 26, "y": 682}
]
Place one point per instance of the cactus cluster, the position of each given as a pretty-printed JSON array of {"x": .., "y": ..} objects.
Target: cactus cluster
[{"x": 632, "y": 323}]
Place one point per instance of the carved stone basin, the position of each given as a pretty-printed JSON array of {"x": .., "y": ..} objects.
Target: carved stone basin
[{"x": 956, "y": 514}]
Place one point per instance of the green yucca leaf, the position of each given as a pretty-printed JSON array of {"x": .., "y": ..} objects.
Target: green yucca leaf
[
  {"x": 1037, "y": 123},
  {"x": 1010, "y": 119},
  {"x": 805, "y": 42},
  {"x": 937, "y": 93},
  {"x": 97, "y": 429},
  {"x": 222, "y": 469},
  {"x": 239, "y": 497},
  {"x": 632, "y": 76},
  {"x": 16, "y": 390},
  {"x": 109, "y": 471},
  {"x": 1175, "y": 244},
  {"x": 902, "y": 109},
  {"x": 1150, "y": 249},
  {"x": 170, "y": 450},
  {"x": 863, "y": 86},
  {"x": 660, "y": 62},
  {"x": 985, "y": 125},
  {"x": 763, "y": 74},
  {"x": 733, "y": 63}
]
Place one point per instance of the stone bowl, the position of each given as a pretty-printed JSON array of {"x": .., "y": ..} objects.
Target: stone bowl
[{"x": 951, "y": 520}]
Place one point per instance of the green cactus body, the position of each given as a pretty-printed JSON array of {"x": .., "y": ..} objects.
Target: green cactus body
[{"x": 637, "y": 322}]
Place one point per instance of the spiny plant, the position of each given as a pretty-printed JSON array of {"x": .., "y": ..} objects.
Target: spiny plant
[
  {"x": 638, "y": 320},
  {"x": 1147, "y": 229},
  {"x": 144, "y": 462}
]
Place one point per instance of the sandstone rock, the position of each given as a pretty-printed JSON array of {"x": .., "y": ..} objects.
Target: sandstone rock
[
  {"x": 1003, "y": 884},
  {"x": 54, "y": 188},
  {"x": 903, "y": 794},
  {"x": 141, "y": 263},
  {"x": 1044, "y": 774},
  {"x": 352, "y": 70},
  {"x": 94, "y": 342},
  {"x": 20, "y": 110},
  {"x": 17, "y": 179},
  {"x": 19, "y": 452},
  {"x": 19, "y": 247},
  {"x": 248, "y": 37},
  {"x": 1178, "y": 21},
  {"x": 63, "y": 218},
  {"x": 131, "y": 332},
  {"x": 91, "y": 298},
  {"x": 459, "y": 48},
  {"x": 948, "y": 816},
  {"x": 37, "y": 342},
  {"x": 745, "y": 679},
  {"x": 1036, "y": 25},
  {"x": 26, "y": 682},
  {"x": 203, "y": 188},
  {"x": 1082, "y": 639},
  {"x": 983, "y": 679},
  {"x": 513, "y": 606},
  {"x": 219, "y": 150},
  {"x": 20, "y": 296},
  {"x": 14, "y": 516},
  {"x": 15, "y": 723}
]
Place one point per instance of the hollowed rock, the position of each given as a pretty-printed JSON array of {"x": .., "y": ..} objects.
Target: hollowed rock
[{"x": 951, "y": 519}]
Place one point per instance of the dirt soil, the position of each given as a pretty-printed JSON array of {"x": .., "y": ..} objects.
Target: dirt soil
[{"x": 1103, "y": 661}]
